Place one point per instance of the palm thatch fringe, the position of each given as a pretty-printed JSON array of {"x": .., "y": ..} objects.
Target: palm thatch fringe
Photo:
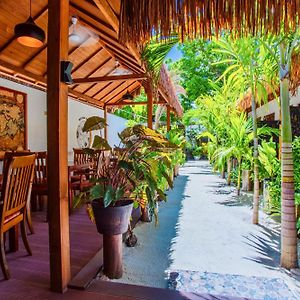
[{"x": 142, "y": 19}]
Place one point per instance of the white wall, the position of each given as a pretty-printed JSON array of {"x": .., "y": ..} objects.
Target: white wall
[
  {"x": 37, "y": 118},
  {"x": 273, "y": 106}
]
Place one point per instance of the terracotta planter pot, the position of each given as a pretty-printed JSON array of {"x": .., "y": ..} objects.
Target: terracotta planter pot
[{"x": 112, "y": 222}]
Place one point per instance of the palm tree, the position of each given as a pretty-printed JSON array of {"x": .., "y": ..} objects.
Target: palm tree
[
  {"x": 247, "y": 72},
  {"x": 281, "y": 50},
  {"x": 240, "y": 134}
]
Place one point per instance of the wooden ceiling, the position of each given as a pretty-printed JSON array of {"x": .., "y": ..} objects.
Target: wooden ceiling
[{"x": 91, "y": 58}]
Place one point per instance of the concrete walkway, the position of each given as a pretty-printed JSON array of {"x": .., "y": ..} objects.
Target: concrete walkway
[{"x": 206, "y": 229}]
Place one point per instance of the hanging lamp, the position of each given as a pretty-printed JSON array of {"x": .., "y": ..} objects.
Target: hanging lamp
[{"x": 29, "y": 34}]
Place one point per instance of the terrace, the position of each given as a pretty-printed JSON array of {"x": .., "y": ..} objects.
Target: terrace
[{"x": 103, "y": 40}]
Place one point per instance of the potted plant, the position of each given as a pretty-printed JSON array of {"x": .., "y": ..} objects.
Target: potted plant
[{"x": 117, "y": 186}]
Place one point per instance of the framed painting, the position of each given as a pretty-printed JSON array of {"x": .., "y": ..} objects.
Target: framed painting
[{"x": 13, "y": 120}]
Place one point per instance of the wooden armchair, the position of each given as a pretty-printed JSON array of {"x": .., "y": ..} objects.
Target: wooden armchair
[{"x": 15, "y": 194}]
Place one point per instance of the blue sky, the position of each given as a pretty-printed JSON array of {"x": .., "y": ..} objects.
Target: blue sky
[{"x": 174, "y": 54}]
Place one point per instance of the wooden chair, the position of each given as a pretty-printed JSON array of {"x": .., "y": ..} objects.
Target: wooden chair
[
  {"x": 15, "y": 195},
  {"x": 81, "y": 156},
  {"x": 8, "y": 156},
  {"x": 40, "y": 182}
]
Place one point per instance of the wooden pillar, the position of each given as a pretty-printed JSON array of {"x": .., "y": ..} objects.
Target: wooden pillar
[
  {"x": 150, "y": 107},
  {"x": 57, "y": 140},
  {"x": 168, "y": 118},
  {"x": 105, "y": 118}
]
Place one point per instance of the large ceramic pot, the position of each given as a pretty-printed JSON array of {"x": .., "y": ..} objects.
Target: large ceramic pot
[{"x": 112, "y": 222}]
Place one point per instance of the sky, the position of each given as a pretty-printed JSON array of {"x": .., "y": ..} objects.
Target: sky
[{"x": 174, "y": 54}]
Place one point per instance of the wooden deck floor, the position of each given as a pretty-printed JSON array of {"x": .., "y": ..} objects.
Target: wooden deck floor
[
  {"x": 30, "y": 274},
  {"x": 34, "y": 270}
]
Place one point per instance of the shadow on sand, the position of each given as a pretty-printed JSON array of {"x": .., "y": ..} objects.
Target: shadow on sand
[
  {"x": 267, "y": 246},
  {"x": 147, "y": 262}
]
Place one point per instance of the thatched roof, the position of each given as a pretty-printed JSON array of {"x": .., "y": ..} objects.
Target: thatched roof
[
  {"x": 139, "y": 20},
  {"x": 101, "y": 57}
]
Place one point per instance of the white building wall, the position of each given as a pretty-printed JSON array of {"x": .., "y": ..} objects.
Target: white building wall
[
  {"x": 274, "y": 106},
  {"x": 37, "y": 118}
]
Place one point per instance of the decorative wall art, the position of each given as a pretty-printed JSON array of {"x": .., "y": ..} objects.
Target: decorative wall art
[
  {"x": 13, "y": 120},
  {"x": 83, "y": 138}
]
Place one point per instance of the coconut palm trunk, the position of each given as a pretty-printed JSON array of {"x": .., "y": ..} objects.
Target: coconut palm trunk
[
  {"x": 289, "y": 257},
  {"x": 255, "y": 163},
  {"x": 229, "y": 171},
  {"x": 239, "y": 169}
]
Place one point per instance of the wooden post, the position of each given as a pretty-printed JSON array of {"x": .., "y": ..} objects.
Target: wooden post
[
  {"x": 168, "y": 118},
  {"x": 57, "y": 138},
  {"x": 105, "y": 118},
  {"x": 112, "y": 256},
  {"x": 150, "y": 107}
]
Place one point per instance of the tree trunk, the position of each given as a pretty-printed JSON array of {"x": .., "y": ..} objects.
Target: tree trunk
[
  {"x": 255, "y": 164},
  {"x": 289, "y": 257},
  {"x": 239, "y": 166},
  {"x": 223, "y": 171},
  {"x": 229, "y": 171}
]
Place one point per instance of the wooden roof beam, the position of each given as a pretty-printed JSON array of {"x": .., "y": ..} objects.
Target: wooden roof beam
[
  {"x": 41, "y": 79},
  {"x": 122, "y": 103},
  {"x": 110, "y": 78},
  {"x": 21, "y": 71},
  {"x": 97, "y": 68},
  {"x": 73, "y": 50},
  {"x": 101, "y": 89},
  {"x": 116, "y": 94},
  {"x": 32, "y": 57},
  {"x": 87, "y": 59},
  {"x": 123, "y": 62},
  {"x": 86, "y": 8},
  {"x": 108, "y": 39},
  {"x": 85, "y": 97},
  {"x": 108, "y": 92},
  {"x": 110, "y": 15},
  {"x": 122, "y": 59}
]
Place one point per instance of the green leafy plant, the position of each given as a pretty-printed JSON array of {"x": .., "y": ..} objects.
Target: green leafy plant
[
  {"x": 197, "y": 151},
  {"x": 269, "y": 164},
  {"x": 132, "y": 173},
  {"x": 177, "y": 138}
]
